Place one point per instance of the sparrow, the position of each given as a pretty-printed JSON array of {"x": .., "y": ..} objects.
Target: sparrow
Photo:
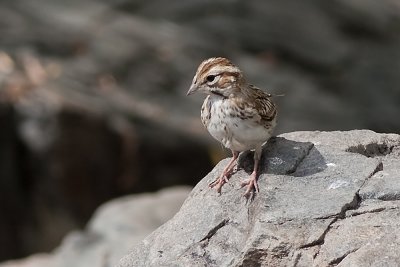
[{"x": 238, "y": 114}]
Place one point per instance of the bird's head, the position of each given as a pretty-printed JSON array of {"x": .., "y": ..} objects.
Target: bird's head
[{"x": 217, "y": 76}]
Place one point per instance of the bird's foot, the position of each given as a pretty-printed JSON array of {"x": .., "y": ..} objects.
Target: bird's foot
[
  {"x": 252, "y": 185},
  {"x": 218, "y": 183},
  {"x": 223, "y": 179}
]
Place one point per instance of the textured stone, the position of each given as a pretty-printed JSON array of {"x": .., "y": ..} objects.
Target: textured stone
[
  {"x": 384, "y": 185},
  {"x": 368, "y": 239},
  {"x": 308, "y": 212},
  {"x": 321, "y": 203}
]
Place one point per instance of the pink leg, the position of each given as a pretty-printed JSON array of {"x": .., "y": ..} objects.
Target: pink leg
[
  {"x": 218, "y": 183},
  {"x": 252, "y": 181}
]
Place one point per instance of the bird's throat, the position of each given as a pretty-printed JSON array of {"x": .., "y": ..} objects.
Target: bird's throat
[{"x": 218, "y": 94}]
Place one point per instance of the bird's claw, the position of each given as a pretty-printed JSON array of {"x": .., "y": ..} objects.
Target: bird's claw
[
  {"x": 252, "y": 186},
  {"x": 218, "y": 183}
]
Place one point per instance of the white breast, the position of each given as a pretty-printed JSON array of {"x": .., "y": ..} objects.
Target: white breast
[
  {"x": 217, "y": 126},
  {"x": 235, "y": 133}
]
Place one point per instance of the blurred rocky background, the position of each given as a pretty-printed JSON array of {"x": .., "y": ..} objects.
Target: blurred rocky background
[{"x": 93, "y": 105}]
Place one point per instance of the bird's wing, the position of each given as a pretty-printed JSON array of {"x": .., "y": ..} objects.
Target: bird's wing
[
  {"x": 263, "y": 104},
  {"x": 256, "y": 107}
]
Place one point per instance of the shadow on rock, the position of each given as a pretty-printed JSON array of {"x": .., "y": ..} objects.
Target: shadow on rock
[{"x": 281, "y": 156}]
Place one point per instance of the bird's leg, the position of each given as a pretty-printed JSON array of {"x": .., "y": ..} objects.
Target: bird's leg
[
  {"x": 223, "y": 178},
  {"x": 252, "y": 181}
]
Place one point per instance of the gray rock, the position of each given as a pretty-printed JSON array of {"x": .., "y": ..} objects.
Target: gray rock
[
  {"x": 365, "y": 142},
  {"x": 385, "y": 184},
  {"x": 309, "y": 211},
  {"x": 368, "y": 239}
]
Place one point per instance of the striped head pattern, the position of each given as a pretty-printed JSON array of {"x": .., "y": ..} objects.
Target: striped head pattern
[{"x": 217, "y": 76}]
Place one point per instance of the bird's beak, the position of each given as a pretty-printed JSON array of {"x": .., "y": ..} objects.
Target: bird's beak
[{"x": 193, "y": 88}]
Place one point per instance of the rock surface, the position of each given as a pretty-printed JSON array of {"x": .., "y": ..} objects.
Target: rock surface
[
  {"x": 326, "y": 199},
  {"x": 111, "y": 232}
]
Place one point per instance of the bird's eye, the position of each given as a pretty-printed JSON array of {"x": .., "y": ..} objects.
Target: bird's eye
[{"x": 210, "y": 78}]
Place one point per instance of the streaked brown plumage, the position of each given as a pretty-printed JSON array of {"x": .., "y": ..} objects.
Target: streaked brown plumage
[{"x": 237, "y": 114}]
